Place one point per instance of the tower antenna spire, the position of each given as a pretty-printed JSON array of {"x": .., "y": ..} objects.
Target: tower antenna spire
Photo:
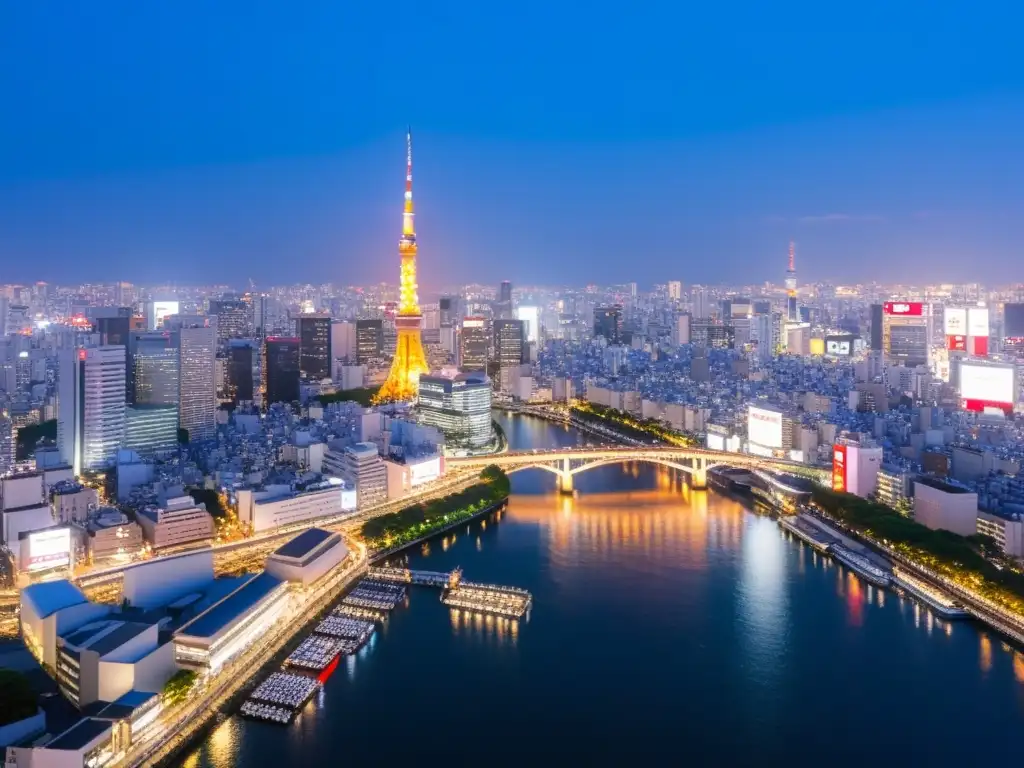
[{"x": 792, "y": 257}]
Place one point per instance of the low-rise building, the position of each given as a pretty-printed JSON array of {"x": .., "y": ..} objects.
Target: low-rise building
[
  {"x": 944, "y": 506},
  {"x": 179, "y": 520},
  {"x": 1006, "y": 528},
  {"x": 362, "y": 468},
  {"x": 110, "y": 533},
  {"x": 308, "y": 556},
  {"x": 275, "y": 506}
]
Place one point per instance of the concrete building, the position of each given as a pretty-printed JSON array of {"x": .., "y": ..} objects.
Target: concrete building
[
  {"x": 474, "y": 344},
  {"x": 855, "y": 466},
  {"x": 343, "y": 340},
  {"x": 277, "y": 506},
  {"x": 91, "y": 406},
  {"x": 307, "y": 557},
  {"x": 362, "y": 468},
  {"x": 110, "y": 533},
  {"x": 944, "y": 506},
  {"x": 176, "y": 522},
  {"x": 161, "y": 581},
  {"x": 72, "y": 502},
  {"x": 197, "y": 388},
  {"x": 151, "y": 429},
  {"x": 50, "y": 609},
  {"x": 1006, "y": 528}
]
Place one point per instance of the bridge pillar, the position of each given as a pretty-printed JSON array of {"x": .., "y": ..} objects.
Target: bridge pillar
[
  {"x": 699, "y": 476},
  {"x": 565, "y": 478}
]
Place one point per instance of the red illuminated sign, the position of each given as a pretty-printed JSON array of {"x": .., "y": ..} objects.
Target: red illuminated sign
[
  {"x": 956, "y": 343},
  {"x": 904, "y": 308},
  {"x": 976, "y": 405},
  {"x": 839, "y": 468},
  {"x": 979, "y": 346}
]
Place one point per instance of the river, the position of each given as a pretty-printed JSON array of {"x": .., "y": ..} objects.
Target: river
[{"x": 666, "y": 625}]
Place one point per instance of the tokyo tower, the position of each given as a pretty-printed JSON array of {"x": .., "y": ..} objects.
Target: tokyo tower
[{"x": 410, "y": 363}]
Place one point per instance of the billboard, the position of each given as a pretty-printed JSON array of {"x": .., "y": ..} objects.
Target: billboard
[
  {"x": 764, "y": 427},
  {"x": 904, "y": 308},
  {"x": 957, "y": 343},
  {"x": 531, "y": 322},
  {"x": 977, "y": 322},
  {"x": 838, "y": 346},
  {"x": 978, "y": 346},
  {"x": 162, "y": 309},
  {"x": 839, "y": 468},
  {"x": 49, "y": 548},
  {"x": 955, "y": 321},
  {"x": 985, "y": 386}
]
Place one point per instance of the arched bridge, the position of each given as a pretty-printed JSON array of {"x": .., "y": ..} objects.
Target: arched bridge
[{"x": 565, "y": 463}]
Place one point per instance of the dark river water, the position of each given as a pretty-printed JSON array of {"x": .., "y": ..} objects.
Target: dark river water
[{"x": 666, "y": 625}]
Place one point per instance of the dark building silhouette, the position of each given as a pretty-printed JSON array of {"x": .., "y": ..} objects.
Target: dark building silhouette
[
  {"x": 474, "y": 344},
  {"x": 608, "y": 323},
  {"x": 509, "y": 342},
  {"x": 232, "y": 315},
  {"x": 876, "y": 327},
  {"x": 369, "y": 340},
  {"x": 314, "y": 332},
  {"x": 281, "y": 369},
  {"x": 239, "y": 372}
]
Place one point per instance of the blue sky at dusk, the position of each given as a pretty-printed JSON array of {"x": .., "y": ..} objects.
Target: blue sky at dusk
[{"x": 554, "y": 142}]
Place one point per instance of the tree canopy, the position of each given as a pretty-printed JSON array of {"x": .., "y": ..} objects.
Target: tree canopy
[{"x": 17, "y": 699}]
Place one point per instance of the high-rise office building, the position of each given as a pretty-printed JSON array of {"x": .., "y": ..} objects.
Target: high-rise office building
[
  {"x": 150, "y": 429},
  {"x": 314, "y": 333},
  {"x": 503, "y": 306},
  {"x": 460, "y": 407},
  {"x": 197, "y": 380},
  {"x": 675, "y": 290},
  {"x": 905, "y": 333},
  {"x": 446, "y": 306},
  {"x": 509, "y": 342},
  {"x": 91, "y": 406},
  {"x": 608, "y": 323},
  {"x": 232, "y": 313},
  {"x": 474, "y": 344},
  {"x": 343, "y": 340},
  {"x": 113, "y": 324},
  {"x": 530, "y": 317},
  {"x": 154, "y": 378},
  {"x": 281, "y": 369},
  {"x": 369, "y": 340},
  {"x": 239, "y": 371}
]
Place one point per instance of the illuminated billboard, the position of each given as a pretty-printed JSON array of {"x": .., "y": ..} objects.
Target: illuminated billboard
[
  {"x": 49, "y": 548},
  {"x": 839, "y": 468},
  {"x": 163, "y": 309},
  {"x": 424, "y": 471},
  {"x": 955, "y": 321},
  {"x": 839, "y": 346},
  {"x": 531, "y": 322},
  {"x": 977, "y": 321},
  {"x": 956, "y": 343},
  {"x": 987, "y": 386},
  {"x": 764, "y": 427},
  {"x": 904, "y": 308}
]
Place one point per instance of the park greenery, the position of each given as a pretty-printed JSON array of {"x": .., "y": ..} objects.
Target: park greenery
[
  {"x": 29, "y": 436},
  {"x": 424, "y": 518},
  {"x": 363, "y": 396},
  {"x": 17, "y": 699},
  {"x": 177, "y": 689},
  {"x": 631, "y": 426},
  {"x": 971, "y": 561}
]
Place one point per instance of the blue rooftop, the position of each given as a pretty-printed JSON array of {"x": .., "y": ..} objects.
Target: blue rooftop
[
  {"x": 304, "y": 543},
  {"x": 79, "y": 735},
  {"x": 238, "y": 603},
  {"x": 51, "y": 596}
]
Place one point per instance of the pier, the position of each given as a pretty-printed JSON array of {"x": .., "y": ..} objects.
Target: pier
[
  {"x": 280, "y": 697},
  {"x": 510, "y": 602}
]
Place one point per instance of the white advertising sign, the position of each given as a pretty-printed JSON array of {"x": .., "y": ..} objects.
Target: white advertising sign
[
  {"x": 987, "y": 383},
  {"x": 424, "y": 471},
  {"x": 764, "y": 427},
  {"x": 835, "y": 347},
  {"x": 49, "y": 549},
  {"x": 162, "y": 309},
  {"x": 955, "y": 319},
  {"x": 977, "y": 321}
]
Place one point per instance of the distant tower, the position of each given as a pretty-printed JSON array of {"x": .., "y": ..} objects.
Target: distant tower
[
  {"x": 409, "y": 362},
  {"x": 792, "y": 313}
]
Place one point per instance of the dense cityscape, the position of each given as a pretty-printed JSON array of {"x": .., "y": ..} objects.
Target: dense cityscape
[{"x": 697, "y": 516}]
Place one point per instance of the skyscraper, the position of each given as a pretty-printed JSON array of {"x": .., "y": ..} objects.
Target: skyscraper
[
  {"x": 155, "y": 369},
  {"x": 314, "y": 332},
  {"x": 792, "y": 315},
  {"x": 281, "y": 369},
  {"x": 239, "y": 371},
  {"x": 675, "y": 290},
  {"x": 503, "y": 306},
  {"x": 473, "y": 344},
  {"x": 369, "y": 340},
  {"x": 197, "y": 387},
  {"x": 91, "y": 406},
  {"x": 509, "y": 342},
  {"x": 409, "y": 362},
  {"x": 232, "y": 315},
  {"x": 608, "y": 323}
]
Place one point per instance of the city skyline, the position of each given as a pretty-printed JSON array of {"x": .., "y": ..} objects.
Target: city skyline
[{"x": 694, "y": 162}]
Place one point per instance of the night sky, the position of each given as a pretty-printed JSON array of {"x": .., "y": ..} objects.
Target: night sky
[{"x": 555, "y": 142}]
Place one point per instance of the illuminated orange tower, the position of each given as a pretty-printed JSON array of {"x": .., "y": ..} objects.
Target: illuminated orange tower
[{"x": 410, "y": 363}]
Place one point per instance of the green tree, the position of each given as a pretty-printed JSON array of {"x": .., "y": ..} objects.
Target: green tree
[
  {"x": 363, "y": 396},
  {"x": 178, "y": 687}
]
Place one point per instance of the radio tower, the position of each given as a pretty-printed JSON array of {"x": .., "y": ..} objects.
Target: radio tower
[
  {"x": 410, "y": 363},
  {"x": 792, "y": 314}
]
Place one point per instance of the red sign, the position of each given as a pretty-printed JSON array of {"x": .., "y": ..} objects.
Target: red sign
[
  {"x": 839, "y": 468},
  {"x": 904, "y": 308},
  {"x": 956, "y": 343},
  {"x": 979, "y": 346},
  {"x": 974, "y": 404}
]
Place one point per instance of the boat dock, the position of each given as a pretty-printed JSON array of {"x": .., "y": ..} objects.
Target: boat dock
[
  {"x": 510, "y": 602},
  {"x": 314, "y": 653},
  {"x": 280, "y": 697},
  {"x": 807, "y": 532},
  {"x": 860, "y": 564},
  {"x": 938, "y": 601}
]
